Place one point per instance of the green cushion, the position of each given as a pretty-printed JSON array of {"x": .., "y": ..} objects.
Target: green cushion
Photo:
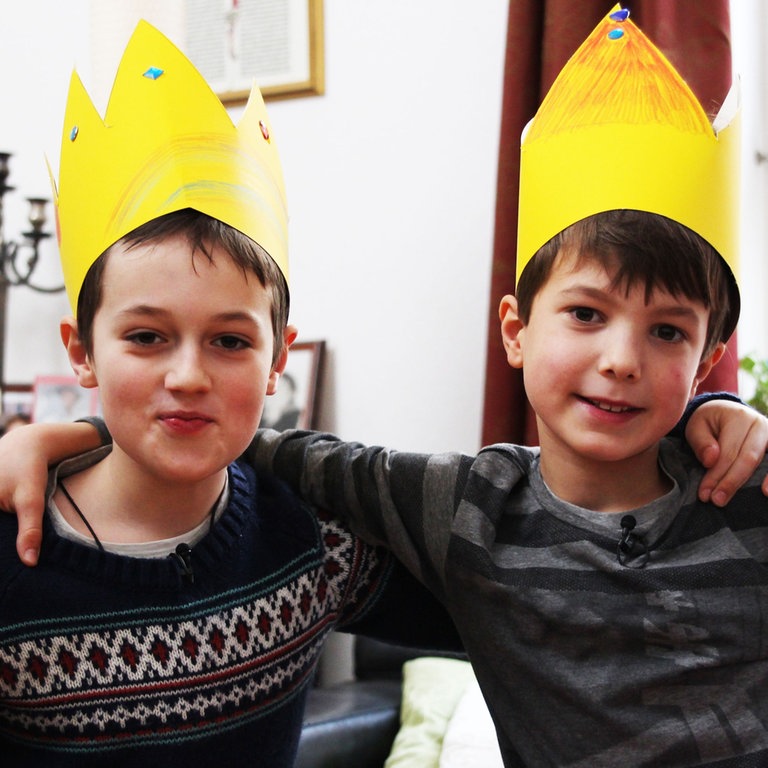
[{"x": 432, "y": 688}]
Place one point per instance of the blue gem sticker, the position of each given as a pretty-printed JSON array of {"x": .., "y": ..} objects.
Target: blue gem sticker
[
  {"x": 153, "y": 73},
  {"x": 73, "y": 133},
  {"x": 621, "y": 15},
  {"x": 615, "y": 34}
]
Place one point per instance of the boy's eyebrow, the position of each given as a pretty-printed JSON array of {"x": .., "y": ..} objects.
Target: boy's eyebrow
[
  {"x": 588, "y": 291},
  {"x": 148, "y": 310}
]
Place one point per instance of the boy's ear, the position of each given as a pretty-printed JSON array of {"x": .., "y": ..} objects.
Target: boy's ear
[
  {"x": 511, "y": 329},
  {"x": 78, "y": 358},
  {"x": 706, "y": 365},
  {"x": 289, "y": 336}
]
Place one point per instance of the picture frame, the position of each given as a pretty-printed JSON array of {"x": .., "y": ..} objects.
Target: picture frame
[
  {"x": 61, "y": 398},
  {"x": 17, "y": 398},
  {"x": 293, "y": 44},
  {"x": 294, "y": 405}
]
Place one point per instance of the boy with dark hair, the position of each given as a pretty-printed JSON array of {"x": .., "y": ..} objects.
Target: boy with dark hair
[
  {"x": 611, "y": 617},
  {"x": 181, "y": 600}
]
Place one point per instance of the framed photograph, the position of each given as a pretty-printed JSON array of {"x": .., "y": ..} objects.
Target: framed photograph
[
  {"x": 61, "y": 398},
  {"x": 17, "y": 402},
  {"x": 293, "y": 406},
  {"x": 278, "y": 44}
]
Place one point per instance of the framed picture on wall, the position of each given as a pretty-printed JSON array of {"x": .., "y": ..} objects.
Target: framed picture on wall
[
  {"x": 276, "y": 43},
  {"x": 16, "y": 406},
  {"x": 17, "y": 398},
  {"x": 61, "y": 398},
  {"x": 293, "y": 406}
]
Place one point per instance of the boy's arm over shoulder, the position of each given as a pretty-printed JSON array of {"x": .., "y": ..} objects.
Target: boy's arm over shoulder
[
  {"x": 728, "y": 437},
  {"x": 356, "y": 482},
  {"x": 365, "y": 587},
  {"x": 405, "y": 501}
]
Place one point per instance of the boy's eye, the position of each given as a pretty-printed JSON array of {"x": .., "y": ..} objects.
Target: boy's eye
[
  {"x": 668, "y": 333},
  {"x": 231, "y": 342},
  {"x": 144, "y": 338},
  {"x": 584, "y": 314}
]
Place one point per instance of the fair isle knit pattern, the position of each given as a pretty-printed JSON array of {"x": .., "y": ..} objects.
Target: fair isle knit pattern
[
  {"x": 101, "y": 654},
  {"x": 238, "y": 655},
  {"x": 584, "y": 661}
]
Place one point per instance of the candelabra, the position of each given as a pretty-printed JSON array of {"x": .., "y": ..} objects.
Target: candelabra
[{"x": 18, "y": 261}]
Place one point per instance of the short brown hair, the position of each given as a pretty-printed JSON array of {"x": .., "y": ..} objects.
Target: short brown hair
[
  {"x": 647, "y": 248},
  {"x": 203, "y": 233}
]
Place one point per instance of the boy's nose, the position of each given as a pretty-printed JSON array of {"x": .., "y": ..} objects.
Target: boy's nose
[
  {"x": 187, "y": 371},
  {"x": 620, "y": 357}
]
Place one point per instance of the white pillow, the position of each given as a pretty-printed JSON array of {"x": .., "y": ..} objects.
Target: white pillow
[{"x": 470, "y": 739}]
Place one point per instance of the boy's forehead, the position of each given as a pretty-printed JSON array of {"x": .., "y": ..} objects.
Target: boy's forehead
[
  {"x": 584, "y": 269},
  {"x": 574, "y": 260},
  {"x": 154, "y": 259},
  {"x": 573, "y": 270}
]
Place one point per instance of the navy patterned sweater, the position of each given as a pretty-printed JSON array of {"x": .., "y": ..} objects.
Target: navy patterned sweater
[{"x": 111, "y": 660}]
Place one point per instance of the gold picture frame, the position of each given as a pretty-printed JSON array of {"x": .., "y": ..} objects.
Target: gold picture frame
[{"x": 309, "y": 81}]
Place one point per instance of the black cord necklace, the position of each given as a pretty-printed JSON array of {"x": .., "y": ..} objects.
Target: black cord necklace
[{"x": 211, "y": 514}]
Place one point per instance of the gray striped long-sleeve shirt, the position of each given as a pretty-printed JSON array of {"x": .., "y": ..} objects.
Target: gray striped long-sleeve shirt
[{"x": 583, "y": 660}]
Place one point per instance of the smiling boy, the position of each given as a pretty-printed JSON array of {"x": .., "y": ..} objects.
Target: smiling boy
[{"x": 611, "y": 617}]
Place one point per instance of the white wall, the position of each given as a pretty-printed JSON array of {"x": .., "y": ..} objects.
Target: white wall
[
  {"x": 391, "y": 182},
  {"x": 40, "y": 43},
  {"x": 391, "y": 186}
]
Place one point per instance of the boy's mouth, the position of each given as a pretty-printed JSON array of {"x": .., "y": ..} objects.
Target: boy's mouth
[
  {"x": 185, "y": 419},
  {"x": 610, "y": 407}
]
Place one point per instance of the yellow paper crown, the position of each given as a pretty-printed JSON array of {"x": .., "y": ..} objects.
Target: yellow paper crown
[
  {"x": 620, "y": 129},
  {"x": 166, "y": 143}
]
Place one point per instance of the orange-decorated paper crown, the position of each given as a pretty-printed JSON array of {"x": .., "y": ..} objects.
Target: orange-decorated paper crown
[
  {"x": 166, "y": 143},
  {"x": 620, "y": 129}
]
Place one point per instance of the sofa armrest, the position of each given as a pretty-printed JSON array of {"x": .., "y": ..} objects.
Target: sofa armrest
[{"x": 351, "y": 723}]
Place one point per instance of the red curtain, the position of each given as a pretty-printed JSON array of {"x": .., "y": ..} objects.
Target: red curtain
[{"x": 541, "y": 36}]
